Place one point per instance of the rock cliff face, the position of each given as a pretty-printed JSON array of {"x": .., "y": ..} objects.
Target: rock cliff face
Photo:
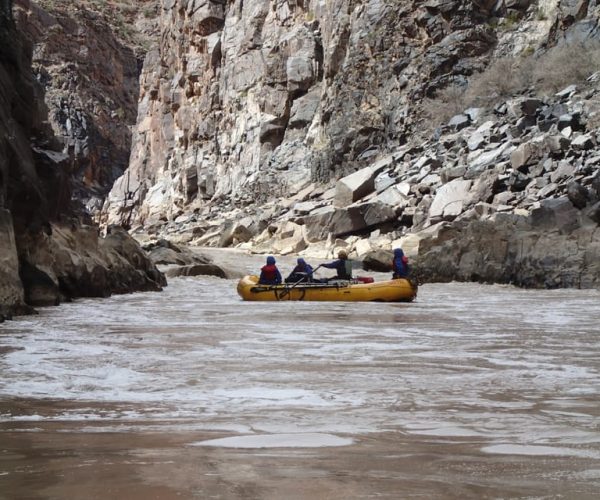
[
  {"x": 48, "y": 252},
  {"x": 247, "y": 101},
  {"x": 253, "y": 114},
  {"x": 89, "y": 70}
]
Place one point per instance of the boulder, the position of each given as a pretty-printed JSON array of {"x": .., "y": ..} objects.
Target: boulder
[
  {"x": 12, "y": 298},
  {"x": 594, "y": 212},
  {"x": 557, "y": 144},
  {"x": 237, "y": 232},
  {"x": 197, "y": 270},
  {"x": 481, "y": 161},
  {"x": 165, "y": 252},
  {"x": 384, "y": 181},
  {"x": 577, "y": 194},
  {"x": 375, "y": 213},
  {"x": 583, "y": 142},
  {"x": 378, "y": 260},
  {"x": 392, "y": 196},
  {"x": 290, "y": 239},
  {"x": 355, "y": 186},
  {"x": 526, "y": 154},
  {"x": 484, "y": 188},
  {"x": 476, "y": 141},
  {"x": 450, "y": 199},
  {"x": 555, "y": 214},
  {"x": 530, "y": 106},
  {"x": 305, "y": 207},
  {"x": 458, "y": 122},
  {"x": 567, "y": 120},
  {"x": 363, "y": 246},
  {"x": 564, "y": 171}
]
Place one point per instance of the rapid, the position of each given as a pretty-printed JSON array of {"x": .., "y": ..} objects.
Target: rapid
[{"x": 471, "y": 391}]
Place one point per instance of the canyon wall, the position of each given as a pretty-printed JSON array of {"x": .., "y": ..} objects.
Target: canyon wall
[
  {"x": 247, "y": 101},
  {"x": 88, "y": 65},
  {"x": 49, "y": 252},
  {"x": 310, "y": 125}
]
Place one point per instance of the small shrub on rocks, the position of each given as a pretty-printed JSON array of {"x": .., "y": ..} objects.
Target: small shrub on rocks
[
  {"x": 447, "y": 102},
  {"x": 502, "y": 79},
  {"x": 566, "y": 65},
  {"x": 544, "y": 73}
]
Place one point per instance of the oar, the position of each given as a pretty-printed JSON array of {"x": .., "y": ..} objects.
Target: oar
[{"x": 288, "y": 290}]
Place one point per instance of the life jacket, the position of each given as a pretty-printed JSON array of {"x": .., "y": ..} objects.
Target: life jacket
[
  {"x": 269, "y": 273},
  {"x": 347, "y": 268}
]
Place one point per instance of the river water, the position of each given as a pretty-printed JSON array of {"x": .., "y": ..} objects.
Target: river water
[{"x": 472, "y": 391}]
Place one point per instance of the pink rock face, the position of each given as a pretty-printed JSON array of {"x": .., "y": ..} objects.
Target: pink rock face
[{"x": 88, "y": 63}]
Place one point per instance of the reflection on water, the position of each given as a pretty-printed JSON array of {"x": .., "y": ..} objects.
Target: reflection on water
[{"x": 509, "y": 371}]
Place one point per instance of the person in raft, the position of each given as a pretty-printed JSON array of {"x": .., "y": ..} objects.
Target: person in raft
[
  {"x": 302, "y": 272},
  {"x": 400, "y": 266},
  {"x": 269, "y": 274},
  {"x": 342, "y": 265}
]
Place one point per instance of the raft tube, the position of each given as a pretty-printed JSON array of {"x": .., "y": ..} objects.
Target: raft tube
[{"x": 398, "y": 290}]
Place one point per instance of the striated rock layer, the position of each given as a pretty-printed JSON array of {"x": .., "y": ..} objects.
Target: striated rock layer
[
  {"x": 47, "y": 253},
  {"x": 302, "y": 126}
]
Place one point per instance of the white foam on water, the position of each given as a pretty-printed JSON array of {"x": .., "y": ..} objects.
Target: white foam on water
[
  {"x": 588, "y": 474},
  {"x": 447, "y": 431},
  {"x": 305, "y": 440},
  {"x": 493, "y": 364},
  {"x": 269, "y": 396},
  {"x": 534, "y": 450}
]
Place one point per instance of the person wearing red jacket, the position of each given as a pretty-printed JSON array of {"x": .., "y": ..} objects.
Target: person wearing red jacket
[{"x": 269, "y": 274}]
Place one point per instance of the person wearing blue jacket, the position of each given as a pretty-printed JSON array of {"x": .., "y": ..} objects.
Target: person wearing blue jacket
[
  {"x": 400, "y": 267},
  {"x": 302, "y": 272},
  {"x": 269, "y": 274},
  {"x": 342, "y": 265}
]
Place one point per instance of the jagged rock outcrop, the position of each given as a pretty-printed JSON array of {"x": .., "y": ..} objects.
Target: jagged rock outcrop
[
  {"x": 47, "y": 253},
  {"x": 74, "y": 261},
  {"x": 182, "y": 261}
]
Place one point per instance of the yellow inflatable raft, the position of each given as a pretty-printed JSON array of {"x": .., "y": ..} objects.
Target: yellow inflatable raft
[{"x": 398, "y": 290}]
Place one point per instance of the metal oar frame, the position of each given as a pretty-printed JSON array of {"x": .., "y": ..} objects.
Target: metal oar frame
[{"x": 281, "y": 291}]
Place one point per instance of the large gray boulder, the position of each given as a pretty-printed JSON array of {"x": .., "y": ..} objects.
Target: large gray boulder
[
  {"x": 355, "y": 186},
  {"x": 12, "y": 297},
  {"x": 378, "y": 260},
  {"x": 450, "y": 199},
  {"x": 510, "y": 249},
  {"x": 557, "y": 214}
]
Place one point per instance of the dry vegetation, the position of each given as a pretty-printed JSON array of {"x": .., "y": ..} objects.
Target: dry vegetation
[
  {"x": 541, "y": 74},
  {"x": 123, "y": 16}
]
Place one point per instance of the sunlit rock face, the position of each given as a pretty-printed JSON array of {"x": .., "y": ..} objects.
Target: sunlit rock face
[
  {"x": 246, "y": 101},
  {"x": 302, "y": 127}
]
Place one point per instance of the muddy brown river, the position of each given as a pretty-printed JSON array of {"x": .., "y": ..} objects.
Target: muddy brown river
[{"x": 472, "y": 391}]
